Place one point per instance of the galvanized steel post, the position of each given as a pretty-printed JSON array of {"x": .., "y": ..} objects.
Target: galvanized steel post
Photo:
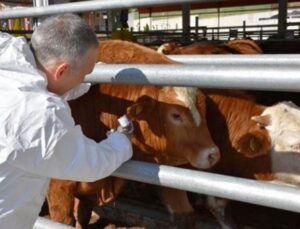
[{"x": 245, "y": 190}]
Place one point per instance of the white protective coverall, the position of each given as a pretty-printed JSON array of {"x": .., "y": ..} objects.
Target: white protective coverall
[{"x": 39, "y": 139}]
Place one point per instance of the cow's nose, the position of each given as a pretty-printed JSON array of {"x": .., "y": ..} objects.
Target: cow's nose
[
  {"x": 214, "y": 156},
  {"x": 206, "y": 158}
]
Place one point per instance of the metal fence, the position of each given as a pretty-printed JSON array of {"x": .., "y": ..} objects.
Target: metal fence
[
  {"x": 256, "y": 32},
  {"x": 157, "y": 37},
  {"x": 43, "y": 223},
  {"x": 90, "y": 6},
  {"x": 245, "y": 190},
  {"x": 228, "y": 72},
  {"x": 246, "y": 72},
  {"x": 224, "y": 33}
]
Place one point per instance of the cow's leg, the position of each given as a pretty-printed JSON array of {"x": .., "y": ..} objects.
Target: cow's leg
[
  {"x": 179, "y": 206},
  {"x": 60, "y": 199},
  {"x": 109, "y": 189},
  {"x": 83, "y": 210},
  {"x": 217, "y": 207}
]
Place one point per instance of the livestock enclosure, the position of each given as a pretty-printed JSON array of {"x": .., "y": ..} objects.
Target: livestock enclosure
[{"x": 274, "y": 77}]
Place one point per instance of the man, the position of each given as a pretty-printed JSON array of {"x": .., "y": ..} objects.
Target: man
[{"x": 38, "y": 137}]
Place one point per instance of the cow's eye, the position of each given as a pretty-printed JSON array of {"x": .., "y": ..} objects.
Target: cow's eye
[{"x": 176, "y": 117}]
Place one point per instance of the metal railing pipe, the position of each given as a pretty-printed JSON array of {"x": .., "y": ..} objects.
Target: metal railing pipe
[
  {"x": 43, "y": 223},
  {"x": 90, "y": 6},
  {"x": 239, "y": 189},
  {"x": 255, "y": 76},
  {"x": 282, "y": 59}
]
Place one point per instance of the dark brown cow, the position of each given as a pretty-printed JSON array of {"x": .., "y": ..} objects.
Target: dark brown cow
[
  {"x": 245, "y": 46},
  {"x": 169, "y": 129},
  {"x": 241, "y": 46}
]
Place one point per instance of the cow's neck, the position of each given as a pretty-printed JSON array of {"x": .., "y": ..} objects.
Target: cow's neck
[
  {"x": 231, "y": 114},
  {"x": 232, "y": 117}
]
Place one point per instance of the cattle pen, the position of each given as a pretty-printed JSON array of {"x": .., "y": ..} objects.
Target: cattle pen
[{"x": 262, "y": 73}]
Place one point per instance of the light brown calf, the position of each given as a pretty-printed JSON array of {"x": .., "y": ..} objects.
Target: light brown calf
[{"x": 256, "y": 142}]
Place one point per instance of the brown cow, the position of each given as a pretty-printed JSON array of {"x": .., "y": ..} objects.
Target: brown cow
[
  {"x": 245, "y": 46},
  {"x": 240, "y": 46},
  {"x": 198, "y": 48},
  {"x": 124, "y": 52},
  {"x": 247, "y": 140},
  {"x": 250, "y": 150},
  {"x": 169, "y": 129},
  {"x": 256, "y": 142}
]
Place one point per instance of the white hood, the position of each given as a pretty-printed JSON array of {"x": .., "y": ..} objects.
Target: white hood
[
  {"x": 16, "y": 56},
  {"x": 39, "y": 139}
]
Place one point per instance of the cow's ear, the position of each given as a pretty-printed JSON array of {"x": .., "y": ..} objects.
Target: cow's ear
[
  {"x": 253, "y": 144},
  {"x": 262, "y": 120},
  {"x": 141, "y": 108}
]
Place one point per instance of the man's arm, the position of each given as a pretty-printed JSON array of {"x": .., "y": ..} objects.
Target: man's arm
[{"x": 61, "y": 151}]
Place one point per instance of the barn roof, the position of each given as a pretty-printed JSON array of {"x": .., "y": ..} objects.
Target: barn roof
[{"x": 216, "y": 4}]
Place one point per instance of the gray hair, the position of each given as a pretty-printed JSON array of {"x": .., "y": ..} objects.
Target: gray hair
[{"x": 64, "y": 37}]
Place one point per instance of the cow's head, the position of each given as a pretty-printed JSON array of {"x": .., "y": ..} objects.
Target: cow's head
[
  {"x": 168, "y": 48},
  {"x": 282, "y": 121},
  {"x": 171, "y": 127}
]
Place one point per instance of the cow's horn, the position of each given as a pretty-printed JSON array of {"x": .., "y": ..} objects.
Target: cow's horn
[{"x": 263, "y": 120}]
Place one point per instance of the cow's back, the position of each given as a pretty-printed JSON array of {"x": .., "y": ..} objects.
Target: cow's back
[
  {"x": 245, "y": 46},
  {"x": 240, "y": 46},
  {"x": 123, "y": 52}
]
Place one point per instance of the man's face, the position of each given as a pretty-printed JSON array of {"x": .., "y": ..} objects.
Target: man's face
[
  {"x": 75, "y": 77},
  {"x": 61, "y": 78}
]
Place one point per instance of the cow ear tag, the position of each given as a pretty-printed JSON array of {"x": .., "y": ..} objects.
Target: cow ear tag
[
  {"x": 141, "y": 108},
  {"x": 138, "y": 109},
  {"x": 254, "y": 145}
]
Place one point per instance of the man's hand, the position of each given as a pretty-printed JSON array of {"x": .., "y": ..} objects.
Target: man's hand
[
  {"x": 126, "y": 131},
  {"x": 126, "y": 124},
  {"x": 125, "y": 127}
]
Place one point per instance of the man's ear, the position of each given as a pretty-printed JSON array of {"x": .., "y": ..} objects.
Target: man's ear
[
  {"x": 60, "y": 70},
  {"x": 253, "y": 144},
  {"x": 141, "y": 108}
]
